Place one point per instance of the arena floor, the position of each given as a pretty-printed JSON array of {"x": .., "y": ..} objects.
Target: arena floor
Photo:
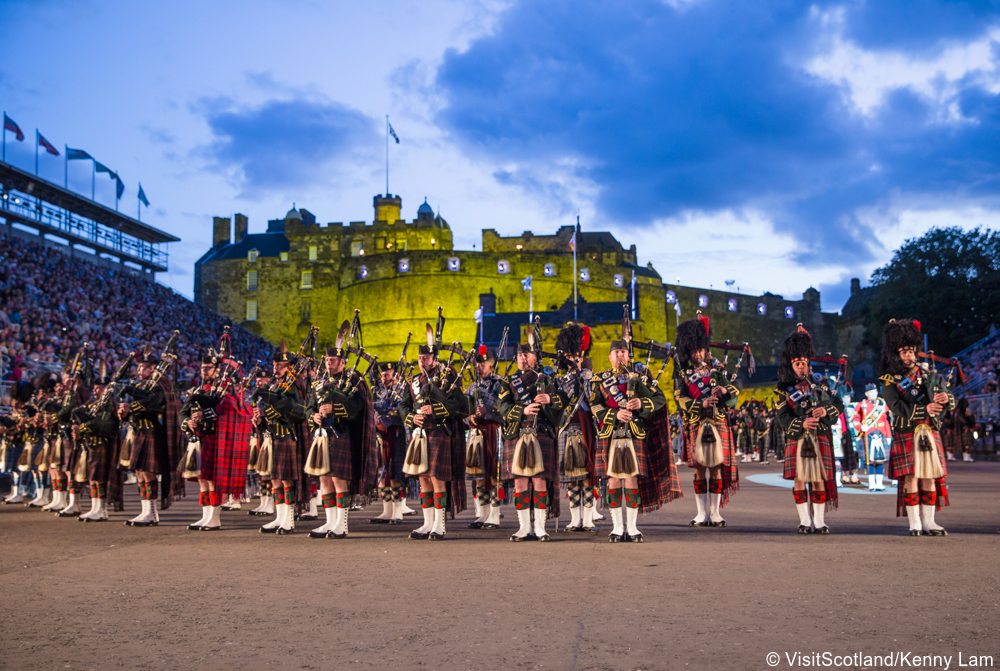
[{"x": 97, "y": 596}]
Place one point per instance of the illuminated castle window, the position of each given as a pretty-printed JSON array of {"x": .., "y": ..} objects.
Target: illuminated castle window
[
  {"x": 762, "y": 308},
  {"x": 503, "y": 267},
  {"x": 252, "y": 280},
  {"x": 362, "y": 272},
  {"x": 355, "y": 249},
  {"x": 732, "y": 305},
  {"x": 671, "y": 297},
  {"x": 789, "y": 312},
  {"x": 550, "y": 270},
  {"x": 403, "y": 266},
  {"x": 703, "y": 301},
  {"x": 252, "y": 255},
  {"x": 454, "y": 264},
  {"x": 284, "y": 257},
  {"x": 585, "y": 275},
  {"x": 307, "y": 280},
  {"x": 314, "y": 252},
  {"x": 252, "y": 311}
]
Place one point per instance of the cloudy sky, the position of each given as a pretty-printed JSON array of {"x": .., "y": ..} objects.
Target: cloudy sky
[{"x": 774, "y": 143}]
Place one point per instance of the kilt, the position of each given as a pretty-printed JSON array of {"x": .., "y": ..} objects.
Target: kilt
[
  {"x": 65, "y": 453},
  {"x": 825, "y": 447},
  {"x": 393, "y": 453},
  {"x": 100, "y": 457},
  {"x": 209, "y": 454},
  {"x": 491, "y": 440},
  {"x": 12, "y": 454},
  {"x": 730, "y": 471},
  {"x": 147, "y": 452},
  {"x": 601, "y": 462},
  {"x": 948, "y": 439},
  {"x": 663, "y": 484},
  {"x": 901, "y": 464},
  {"x": 36, "y": 449},
  {"x": 439, "y": 454},
  {"x": 340, "y": 456},
  {"x": 964, "y": 440},
  {"x": 550, "y": 466},
  {"x": 584, "y": 420},
  {"x": 287, "y": 464}
]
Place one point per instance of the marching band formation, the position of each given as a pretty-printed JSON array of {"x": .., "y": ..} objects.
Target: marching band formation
[{"x": 309, "y": 432}]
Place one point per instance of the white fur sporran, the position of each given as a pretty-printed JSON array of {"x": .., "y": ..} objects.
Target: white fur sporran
[
  {"x": 125, "y": 454},
  {"x": 708, "y": 454},
  {"x": 622, "y": 461},
  {"x": 55, "y": 453},
  {"x": 474, "y": 452},
  {"x": 254, "y": 453},
  {"x": 417, "y": 461},
  {"x": 191, "y": 467},
  {"x": 265, "y": 459},
  {"x": 318, "y": 459},
  {"x": 926, "y": 463},
  {"x": 80, "y": 471},
  {"x": 527, "y": 461},
  {"x": 809, "y": 469}
]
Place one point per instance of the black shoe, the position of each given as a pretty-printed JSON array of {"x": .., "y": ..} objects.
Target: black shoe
[
  {"x": 306, "y": 518},
  {"x": 194, "y": 527},
  {"x": 282, "y": 531},
  {"x": 476, "y": 525},
  {"x": 916, "y": 532},
  {"x": 803, "y": 529},
  {"x": 258, "y": 513},
  {"x": 637, "y": 538},
  {"x": 719, "y": 524},
  {"x": 489, "y": 525},
  {"x": 936, "y": 532},
  {"x": 521, "y": 539},
  {"x": 435, "y": 537},
  {"x": 569, "y": 529},
  {"x": 269, "y": 530},
  {"x": 545, "y": 538},
  {"x": 339, "y": 537},
  {"x": 706, "y": 523},
  {"x": 615, "y": 538},
  {"x": 378, "y": 520},
  {"x": 145, "y": 524},
  {"x": 318, "y": 534},
  {"x": 412, "y": 513},
  {"x": 414, "y": 535},
  {"x": 395, "y": 521},
  {"x": 589, "y": 530},
  {"x": 91, "y": 519},
  {"x": 76, "y": 514},
  {"x": 501, "y": 515},
  {"x": 218, "y": 528},
  {"x": 822, "y": 531}
]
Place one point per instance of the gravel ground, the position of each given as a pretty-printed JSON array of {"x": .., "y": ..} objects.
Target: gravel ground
[{"x": 92, "y": 596}]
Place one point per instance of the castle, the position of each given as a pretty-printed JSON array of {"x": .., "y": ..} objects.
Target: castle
[{"x": 398, "y": 272}]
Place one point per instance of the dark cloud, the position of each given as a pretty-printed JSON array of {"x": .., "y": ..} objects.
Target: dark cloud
[
  {"x": 284, "y": 143},
  {"x": 711, "y": 108}
]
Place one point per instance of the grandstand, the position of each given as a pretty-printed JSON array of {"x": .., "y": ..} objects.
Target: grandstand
[{"x": 981, "y": 363}]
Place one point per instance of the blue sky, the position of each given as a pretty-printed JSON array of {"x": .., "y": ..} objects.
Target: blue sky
[{"x": 777, "y": 144}]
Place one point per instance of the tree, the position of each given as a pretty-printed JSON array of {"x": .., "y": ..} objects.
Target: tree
[{"x": 948, "y": 279}]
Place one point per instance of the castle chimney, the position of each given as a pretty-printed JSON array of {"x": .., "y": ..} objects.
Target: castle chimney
[
  {"x": 220, "y": 231},
  {"x": 241, "y": 227},
  {"x": 855, "y": 285}
]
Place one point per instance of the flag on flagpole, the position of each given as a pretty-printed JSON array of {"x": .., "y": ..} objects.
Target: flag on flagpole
[
  {"x": 526, "y": 283},
  {"x": 119, "y": 187},
  {"x": 75, "y": 154},
  {"x": 100, "y": 167},
  {"x": 572, "y": 242},
  {"x": 8, "y": 124},
  {"x": 677, "y": 308},
  {"x": 392, "y": 132},
  {"x": 142, "y": 196},
  {"x": 42, "y": 142}
]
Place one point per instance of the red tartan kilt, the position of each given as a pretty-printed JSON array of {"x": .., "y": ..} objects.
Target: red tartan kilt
[
  {"x": 146, "y": 453},
  {"x": 901, "y": 454},
  {"x": 725, "y": 432},
  {"x": 439, "y": 446},
  {"x": 100, "y": 454},
  {"x": 601, "y": 462},
  {"x": 209, "y": 455},
  {"x": 340, "y": 456},
  {"x": 825, "y": 453},
  {"x": 287, "y": 465},
  {"x": 491, "y": 440},
  {"x": 550, "y": 468}
]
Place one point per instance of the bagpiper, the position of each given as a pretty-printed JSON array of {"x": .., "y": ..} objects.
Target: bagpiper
[
  {"x": 432, "y": 406},
  {"x": 217, "y": 424},
  {"x": 577, "y": 439},
  {"x": 386, "y": 392},
  {"x": 532, "y": 408},
  {"x": 262, "y": 378},
  {"x": 96, "y": 427},
  {"x": 703, "y": 390},
  {"x": 484, "y": 436},
  {"x": 917, "y": 397},
  {"x": 342, "y": 420},
  {"x": 281, "y": 456},
  {"x": 807, "y": 407},
  {"x": 16, "y": 438},
  {"x": 623, "y": 404}
]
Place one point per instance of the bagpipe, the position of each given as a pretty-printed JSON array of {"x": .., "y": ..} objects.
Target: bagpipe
[
  {"x": 167, "y": 359},
  {"x": 955, "y": 366},
  {"x": 822, "y": 385},
  {"x": 228, "y": 377},
  {"x": 110, "y": 388}
]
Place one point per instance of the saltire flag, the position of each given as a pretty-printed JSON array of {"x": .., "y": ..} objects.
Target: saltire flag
[
  {"x": 633, "y": 279},
  {"x": 119, "y": 187},
  {"x": 8, "y": 124},
  {"x": 677, "y": 308},
  {"x": 392, "y": 132},
  {"x": 42, "y": 142},
  {"x": 526, "y": 283},
  {"x": 142, "y": 196},
  {"x": 75, "y": 154},
  {"x": 572, "y": 242}
]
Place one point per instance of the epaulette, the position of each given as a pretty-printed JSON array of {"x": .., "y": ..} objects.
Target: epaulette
[
  {"x": 605, "y": 374},
  {"x": 889, "y": 379}
]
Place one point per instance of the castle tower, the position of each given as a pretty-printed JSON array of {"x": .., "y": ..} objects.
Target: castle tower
[{"x": 388, "y": 208}]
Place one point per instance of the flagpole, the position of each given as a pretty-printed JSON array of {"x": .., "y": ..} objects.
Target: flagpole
[
  {"x": 576, "y": 244},
  {"x": 93, "y": 178},
  {"x": 387, "y": 194},
  {"x": 531, "y": 299},
  {"x": 36, "y": 152},
  {"x": 138, "y": 205},
  {"x": 66, "y": 166},
  {"x": 5, "y": 136},
  {"x": 633, "y": 294},
  {"x": 117, "y": 179}
]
